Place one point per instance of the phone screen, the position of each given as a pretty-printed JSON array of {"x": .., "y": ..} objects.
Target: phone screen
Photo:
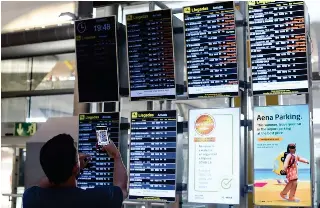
[{"x": 102, "y": 135}]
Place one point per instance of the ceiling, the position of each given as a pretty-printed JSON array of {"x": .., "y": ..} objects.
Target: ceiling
[{"x": 20, "y": 15}]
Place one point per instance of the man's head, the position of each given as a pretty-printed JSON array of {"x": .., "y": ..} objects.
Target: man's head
[{"x": 59, "y": 159}]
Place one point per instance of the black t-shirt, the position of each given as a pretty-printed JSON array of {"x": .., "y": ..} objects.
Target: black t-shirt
[{"x": 99, "y": 197}]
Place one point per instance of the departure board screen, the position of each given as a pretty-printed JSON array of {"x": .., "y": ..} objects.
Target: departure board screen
[
  {"x": 211, "y": 52},
  {"x": 96, "y": 53},
  {"x": 153, "y": 156},
  {"x": 278, "y": 47},
  {"x": 100, "y": 170},
  {"x": 150, "y": 55}
]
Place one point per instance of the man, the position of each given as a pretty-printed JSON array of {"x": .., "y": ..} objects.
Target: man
[{"x": 61, "y": 164}]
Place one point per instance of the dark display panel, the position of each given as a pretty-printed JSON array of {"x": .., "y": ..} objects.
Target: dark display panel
[
  {"x": 153, "y": 156},
  {"x": 278, "y": 47},
  {"x": 97, "y": 66},
  {"x": 100, "y": 170},
  {"x": 150, "y": 56},
  {"x": 211, "y": 52}
]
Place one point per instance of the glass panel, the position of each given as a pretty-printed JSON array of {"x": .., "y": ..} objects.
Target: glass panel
[
  {"x": 15, "y": 75},
  {"x": 14, "y": 109},
  {"x": 53, "y": 72},
  {"x": 44, "y": 107},
  {"x": 7, "y": 155}
]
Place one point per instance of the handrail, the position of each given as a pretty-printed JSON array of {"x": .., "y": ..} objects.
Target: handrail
[
  {"x": 126, "y": 202},
  {"x": 13, "y": 195}
]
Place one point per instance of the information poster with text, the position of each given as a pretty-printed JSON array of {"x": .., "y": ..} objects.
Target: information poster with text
[
  {"x": 282, "y": 174},
  {"x": 214, "y": 143}
]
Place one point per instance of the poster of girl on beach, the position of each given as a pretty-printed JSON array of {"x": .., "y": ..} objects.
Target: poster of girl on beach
[{"x": 282, "y": 173}]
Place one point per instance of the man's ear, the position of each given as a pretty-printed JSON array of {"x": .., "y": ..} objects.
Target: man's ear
[{"x": 76, "y": 169}]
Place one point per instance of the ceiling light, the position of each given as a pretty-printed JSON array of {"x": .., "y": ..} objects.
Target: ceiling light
[{"x": 68, "y": 16}]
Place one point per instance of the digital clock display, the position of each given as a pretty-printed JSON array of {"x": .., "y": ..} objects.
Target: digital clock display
[
  {"x": 103, "y": 27},
  {"x": 97, "y": 66}
]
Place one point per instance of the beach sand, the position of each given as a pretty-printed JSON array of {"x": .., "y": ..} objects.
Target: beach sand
[{"x": 270, "y": 194}]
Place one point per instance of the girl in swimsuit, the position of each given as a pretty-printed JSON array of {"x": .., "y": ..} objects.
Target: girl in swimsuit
[{"x": 291, "y": 168}]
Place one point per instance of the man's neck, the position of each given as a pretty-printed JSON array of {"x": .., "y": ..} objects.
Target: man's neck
[{"x": 70, "y": 183}]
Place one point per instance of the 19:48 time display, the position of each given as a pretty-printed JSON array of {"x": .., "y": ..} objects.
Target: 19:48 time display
[{"x": 104, "y": 27}]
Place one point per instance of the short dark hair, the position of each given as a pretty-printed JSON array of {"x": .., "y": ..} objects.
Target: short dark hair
[{"x": 58, "y": 157}]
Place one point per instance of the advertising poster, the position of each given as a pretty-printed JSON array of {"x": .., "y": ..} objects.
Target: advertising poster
[
  {"x": 282, "y": 174},
  {"x": 214, "y": 143}
]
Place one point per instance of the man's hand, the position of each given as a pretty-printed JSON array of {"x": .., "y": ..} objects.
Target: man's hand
[
  {"x": 84, "y": 160},
  {"x": 112, "y": 150}
]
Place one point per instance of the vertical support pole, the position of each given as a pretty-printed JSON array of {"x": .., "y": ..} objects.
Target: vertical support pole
[
  {"x": 99, "y": 107},
  {"x": 148, "y": 205},
  {"x": 15, "y": 176},
  {"x": 85, "y": 9},
  {"x": 161, "y": 102},
  {"x": 149, "y": 105},
  {"x": 152, "y": 5},
  {"x": 242, "y": 101},
  {"x": 309, "y": 101},
  {"x": 168, "y": 104}
]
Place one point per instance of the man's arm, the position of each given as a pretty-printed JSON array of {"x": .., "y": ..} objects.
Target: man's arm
[{"x": 120, "y": 176}]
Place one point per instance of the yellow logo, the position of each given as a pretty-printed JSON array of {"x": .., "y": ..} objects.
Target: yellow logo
[
  {"x": 134, "y": 114},
  {"x": 129, "y": 17},
  {"x": 186, "y": 10},
  {"x": 82, "y": 117},
  {"x": 78, "y": 37},
  {"x": 204, "y": 124}
]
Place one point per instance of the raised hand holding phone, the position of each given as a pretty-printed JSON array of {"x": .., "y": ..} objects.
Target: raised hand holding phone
[
  {"x": 112, "y": 150},
  {"x": 103, "y": 134}
]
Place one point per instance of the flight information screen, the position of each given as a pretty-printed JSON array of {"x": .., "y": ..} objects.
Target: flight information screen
[
  {"x": 278, "y": 47},
  {"x": 96, "y": 53},
  {"x": 100, "y": 170},
  {"x": 150, "y": 55},
  {"x": 153, "y": 156},
  {"x": 211, "y": 51}
]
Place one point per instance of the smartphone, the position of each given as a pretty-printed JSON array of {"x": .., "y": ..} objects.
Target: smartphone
[{"x": 102, "y": 135}]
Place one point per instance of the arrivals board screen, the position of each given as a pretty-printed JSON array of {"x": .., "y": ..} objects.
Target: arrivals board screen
[
  {"x": 100, "y": 170},
  {"x": 278, "y": 47},
  {"x": 150, "y": 55},
  {"x": 211, "y": 52},
  {"x": 96, "y": 53},
  {"x": 153, "y": 156}
]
